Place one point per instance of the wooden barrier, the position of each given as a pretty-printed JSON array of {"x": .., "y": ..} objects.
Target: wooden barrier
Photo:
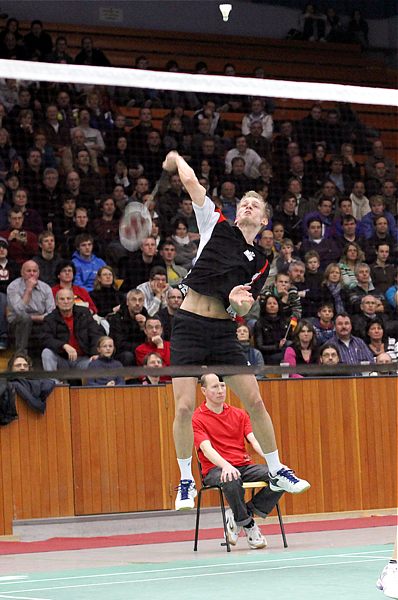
[
  {"x": 36, "y": 474},
  {"x": 105, "y": 450},
  {"x": 120, "y": 457}
]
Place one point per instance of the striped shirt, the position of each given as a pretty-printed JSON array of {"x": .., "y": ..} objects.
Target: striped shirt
[{"x": 352, "y": 352}]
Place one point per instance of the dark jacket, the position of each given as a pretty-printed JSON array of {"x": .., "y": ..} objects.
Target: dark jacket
[
  {"x": 55, "y": 333},
  {"x": 352, "y": 298},
  {"x": 8, "y": 411},
  {"x": 105, "y": 299},
  {"x": 291, "y": 223},
  {"x": 314, "y": 295},
  {"x": 327, "y": 249},
  {"x": 268, "y": 332},
  {"x": 97, "y": 58},
  {"x": 104, "y": 363},
  {"x": 137, "y": 271},
  {"x": 34, "y": 391},
  {"x": 48, "y": 268},
  {"x": 125, "y": 331},
  {"x": 360, "y": 323},
  {"x": 8, "y": 273}
]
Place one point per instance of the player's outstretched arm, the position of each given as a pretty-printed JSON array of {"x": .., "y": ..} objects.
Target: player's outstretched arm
[
  {"x": 173, "y": 162},
  {"x": 241, "y": 299}
]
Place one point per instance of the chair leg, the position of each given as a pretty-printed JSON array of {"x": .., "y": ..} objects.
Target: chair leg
[
  {"x": 281, "y": 525},
  {"x": 222, "y": 506},
  {"x": 195, "y": 546}
]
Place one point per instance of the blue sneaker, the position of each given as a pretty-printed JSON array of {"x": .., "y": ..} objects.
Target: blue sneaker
[
  {"x": 186, "y": 494},
  {"x": 286, "y": 481}
]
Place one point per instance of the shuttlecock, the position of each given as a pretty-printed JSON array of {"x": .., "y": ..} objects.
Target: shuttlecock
[{"x": 225, "y": 10}]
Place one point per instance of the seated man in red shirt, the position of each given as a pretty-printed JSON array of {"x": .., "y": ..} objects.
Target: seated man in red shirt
[
  {"x": 220, "y": 431},
  {"x": 154, "y": 342}
]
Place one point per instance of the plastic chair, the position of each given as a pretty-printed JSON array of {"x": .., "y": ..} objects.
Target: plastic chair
[{"x": 249, "y": 485}]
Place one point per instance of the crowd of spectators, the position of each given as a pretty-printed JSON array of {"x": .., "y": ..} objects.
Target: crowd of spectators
[
  {"x": 318, "y": 25},
  {"x": 70, "y": 163}
]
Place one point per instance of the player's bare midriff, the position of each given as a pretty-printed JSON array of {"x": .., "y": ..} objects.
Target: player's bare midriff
[{"x": 205, "y": 306}]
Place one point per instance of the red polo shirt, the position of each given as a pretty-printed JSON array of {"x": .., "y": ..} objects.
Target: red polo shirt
[{"x": 225, "y": 431}]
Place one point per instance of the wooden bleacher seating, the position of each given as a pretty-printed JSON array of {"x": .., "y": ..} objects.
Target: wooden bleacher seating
[{"x": 341, "y": 63}]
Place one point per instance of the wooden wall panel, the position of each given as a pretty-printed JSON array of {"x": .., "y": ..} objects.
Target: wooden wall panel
[
  {"x": 6, "y": 487},
  {"x": 340, "y": 434},
  {"x": 377, "y": 427},
  {"x": 321, "y": 427},
  {"x": 170, "y": 468},
  {"x": 118, "y": 449},
  {"x": 36, "y": 463},
  {"x": 41, "y": 463}
]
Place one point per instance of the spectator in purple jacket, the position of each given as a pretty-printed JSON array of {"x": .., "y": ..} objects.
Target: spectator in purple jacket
[
  {"x": 327, "y": 249},
  {"x": 377, "y": 209}
]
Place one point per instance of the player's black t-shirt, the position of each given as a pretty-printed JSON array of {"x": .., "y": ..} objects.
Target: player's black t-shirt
[{"x": 224, "y": 259}]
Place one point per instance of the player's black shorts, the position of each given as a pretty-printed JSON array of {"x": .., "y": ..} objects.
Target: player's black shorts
[{"x": 197, "y": 340}]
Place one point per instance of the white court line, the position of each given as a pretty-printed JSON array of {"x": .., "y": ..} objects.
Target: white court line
[
  {"x": 12, "y": 577},
  {"x": 23, "y": 597},
  {"x": 206, "y": 566},
  {"x": 189, "y": 576},
  {"x": 385, "y": 557}
]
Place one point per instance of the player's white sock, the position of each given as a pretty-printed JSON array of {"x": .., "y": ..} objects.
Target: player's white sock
[
  {"x": 273, "y": 462},
  {"x": 185, "y": 465}
]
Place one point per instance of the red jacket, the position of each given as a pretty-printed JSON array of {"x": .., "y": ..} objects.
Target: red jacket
[
  {"x": 18, "y": 251},
  {"x": 147, "y": 347}
]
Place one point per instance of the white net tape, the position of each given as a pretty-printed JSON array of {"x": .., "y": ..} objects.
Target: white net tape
[{"x": 196, "y": 83}]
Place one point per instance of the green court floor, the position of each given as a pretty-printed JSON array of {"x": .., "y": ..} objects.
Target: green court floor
[{"x": 337, "y": 574}]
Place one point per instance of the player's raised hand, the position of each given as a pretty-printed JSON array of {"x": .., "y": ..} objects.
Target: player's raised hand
[
  {"x": 240, "y": 295},
  {"x": 241, "y": 299},
  {"x": 169, "y": 163}
]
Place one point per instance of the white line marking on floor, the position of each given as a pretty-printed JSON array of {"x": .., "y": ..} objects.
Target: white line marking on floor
[
  {"x": 192, "y": 576},
  {"x": 266, "y": 560},
  {"x": 23, "y": 597},
  {"x": 370, "y": 556},
  {"x": 12, "y": 577}
]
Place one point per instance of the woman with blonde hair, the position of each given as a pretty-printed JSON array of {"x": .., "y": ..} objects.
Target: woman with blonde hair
[
  {"x": 351, "y": 257},
  {"x": 332, "y": 287}
]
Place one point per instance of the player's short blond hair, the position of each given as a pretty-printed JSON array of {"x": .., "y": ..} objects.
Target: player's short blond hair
[{"x": 253, "y": 194}]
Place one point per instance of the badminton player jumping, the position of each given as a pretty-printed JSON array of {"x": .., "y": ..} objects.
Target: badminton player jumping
[{"x": 228, "y": 274}]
